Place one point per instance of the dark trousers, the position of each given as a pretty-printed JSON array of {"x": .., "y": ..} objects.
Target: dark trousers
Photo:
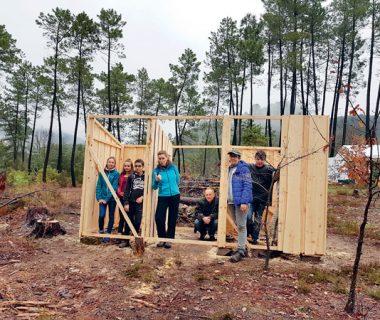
[
  {"x": 206, "y": 228},
  {"x": 163, "y": 204},
  {"x": 254, "y": 218},
  {"x": 122, "y": 222},
  {"x": 111, "y": 214},
  {"x": 135, "y": 215}
]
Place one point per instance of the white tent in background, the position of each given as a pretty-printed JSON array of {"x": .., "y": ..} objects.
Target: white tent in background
[{"x": 335, "y": 163}]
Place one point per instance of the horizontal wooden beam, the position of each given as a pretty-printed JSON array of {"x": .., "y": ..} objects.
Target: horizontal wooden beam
[
  {"x": 131, "y": 117},
  {"x": 258, "y": 148},
  {"x": 142, "y": 146},
  {"x": 197, "y": 147},
  {"x": 106, "y": 131},
  {"x": 107, "y": 143}
]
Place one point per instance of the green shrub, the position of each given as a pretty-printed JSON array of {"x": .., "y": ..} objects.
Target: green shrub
[
  {"x": 18, "y": 178},
  {"x": 53, "y": 176}
]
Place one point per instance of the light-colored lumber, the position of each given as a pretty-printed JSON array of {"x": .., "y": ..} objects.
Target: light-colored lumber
[
  {"x": 101, "y": 116},
  {"x": 197, "y": 147},
  {"x": 105, "y": 131},
  {"x": 116, "y": 198},
  {"x": 222, "y": 219}
]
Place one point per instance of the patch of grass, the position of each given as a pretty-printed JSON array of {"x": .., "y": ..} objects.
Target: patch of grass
[
  {"x": 133, "y": 271},
  {"x": 222, "y": 316},
  {"x": 374, "y": 293},
  {"x": 149, "y": 277},
  {"x": 303, "y": 287},
  {"x": 340, "y": 286},
  {"x": 199, "y": 277},
  {"x": 370, "y": 273},
  {"x": 347, "y": 228},
  {"x": 315, "y": 275}
]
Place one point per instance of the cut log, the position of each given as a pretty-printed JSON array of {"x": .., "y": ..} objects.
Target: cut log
[
  {"x": 190, "y": 201},
  {"x": 47, "y": 229},
  {"x": 139, "y": 246},
  {"x": 34, "y": 214}
]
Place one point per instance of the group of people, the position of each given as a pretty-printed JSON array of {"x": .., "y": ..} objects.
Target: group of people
[
  {"x": 129, "y": 186},
  {"x": 248, "y": 195}
]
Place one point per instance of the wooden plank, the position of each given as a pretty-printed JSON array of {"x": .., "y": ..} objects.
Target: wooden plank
[
  {"x": 98, "y": 124},
  {"x": 87, "y": 184},
  {"x": 292, "y": 228},
  {"x": 106, "y": 142},
  {"x": 116, "y": 198},
  {"x": 316, "y": 201},
  {"x": 147, "y": 181},
  {"x": 226, "y": 144},
  {"x": 197, "y": 147},
  {"x": 101, "y": 116}
]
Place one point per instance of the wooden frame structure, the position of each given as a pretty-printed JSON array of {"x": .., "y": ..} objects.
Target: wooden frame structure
[{"x": 302, "y": 203}]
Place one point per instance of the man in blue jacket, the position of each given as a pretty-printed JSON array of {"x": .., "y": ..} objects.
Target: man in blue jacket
[{"x": 239, "y": 198}]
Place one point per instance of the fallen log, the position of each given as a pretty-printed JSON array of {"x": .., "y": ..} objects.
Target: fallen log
[
  {"x": 190, "y": 201},
  {"x": 20, "y": 196}
]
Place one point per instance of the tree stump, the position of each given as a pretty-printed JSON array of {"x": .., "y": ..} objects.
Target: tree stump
[
  {"x": 35, "y": 214},
  {"x": 47, "y": 229},
  {"x": 139, "y": 246}
]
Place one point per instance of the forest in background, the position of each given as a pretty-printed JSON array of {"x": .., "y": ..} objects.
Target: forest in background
[{"x": 310, "y": 52}]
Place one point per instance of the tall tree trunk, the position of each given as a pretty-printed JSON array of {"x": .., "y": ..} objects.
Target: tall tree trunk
[
  {"x": 334, "y": 99},
  {"x": 304, "y": 111},
  {"x": 282, "y": 101},
  {"x": 84, "y": 108},
  {"x": 25, "y": 120},
  {"x": 109, "y": 84},
  {"x": 315, "y": 85},
  {"x": 337, "y": 93},
  {"x": 15, "y": 140},
  {"x": 205, "y": 150},
  {"x": 55, "y": 88},
  {"x": 158, "y": 105},
  {"x": 251, "y": 98},
  {"x": 369, "y": 81},
  {"x": 241, "y": 101},
  {"x": 268, "y": 122},
  {"x": 293, "y": 97},
  {"x": 216, "y": 121},
  {"x": 325, "y": 84},
  {"x": 60, "y": 140},
  {"x": 33, "y": 130},
  {"x": 352, "y": 54},
  {"x": 308, "y": 84}
]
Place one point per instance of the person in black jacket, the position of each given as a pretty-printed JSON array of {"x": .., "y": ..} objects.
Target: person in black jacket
[
  {"x": 133, "y": 198},
  {"x": 262, "y": 175},
  {"x": 206, "y": 215}
]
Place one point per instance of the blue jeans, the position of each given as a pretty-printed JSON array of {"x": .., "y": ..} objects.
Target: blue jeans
[
  {"x": 111, "y": 214},
  {"x": 254, "y": 218},
  {"x": 204, "y": 228},
  {"x": 240, "y": 219}
]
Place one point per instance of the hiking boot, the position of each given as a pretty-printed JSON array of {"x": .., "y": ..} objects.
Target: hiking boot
[
  {"x": 236, "y": 257},
  {"x": 167, "y": 245},
  {"x": 212, "y": 238},
  {"x": 124, "y": 244},
  {"x": 160, "y": 244}
]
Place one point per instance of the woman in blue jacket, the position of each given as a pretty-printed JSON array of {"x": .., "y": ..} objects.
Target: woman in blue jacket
[
  {"x": 166, "y": 179},
  {"x": 105, "y": 198}
]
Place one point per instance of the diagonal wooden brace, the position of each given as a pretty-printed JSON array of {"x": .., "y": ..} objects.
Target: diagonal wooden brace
[{"x": 109, "y": 185}]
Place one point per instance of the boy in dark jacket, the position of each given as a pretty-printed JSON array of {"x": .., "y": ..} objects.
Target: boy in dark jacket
[
  {"x": 262, "y": 175},
  {"x": 239, "y": 198},
  {"x": 133, "y": 198},
  {"x": 206, "y": 215}
]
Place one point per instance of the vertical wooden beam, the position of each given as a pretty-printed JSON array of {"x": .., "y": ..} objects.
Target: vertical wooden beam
[
  {"x": 226, "y": 145},
  {"x": 86, "y": 188}
]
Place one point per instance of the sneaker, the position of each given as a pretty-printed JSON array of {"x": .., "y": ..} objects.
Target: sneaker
[
  {"x": 255, "y": 241},
  {"x": 160, "y": 244},
  {"x": 202, "y": 237},
  {"x": 101, "y": 231},
  {"x": 236, "y": 257},
  {"x": 124, "y": 244},
  {"x": 105, "y": 240},
  {"x": 167, "y": 245},
  {"x": 212, "y": 238}
]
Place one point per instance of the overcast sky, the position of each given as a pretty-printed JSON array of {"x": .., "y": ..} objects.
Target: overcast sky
[{"x": 156, "y": 34}]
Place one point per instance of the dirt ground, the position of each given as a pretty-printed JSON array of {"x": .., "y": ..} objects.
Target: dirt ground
[{"x": 62, "y": 278}]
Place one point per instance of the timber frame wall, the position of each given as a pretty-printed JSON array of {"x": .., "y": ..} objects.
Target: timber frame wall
[{"x": 302, "y": 202}]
